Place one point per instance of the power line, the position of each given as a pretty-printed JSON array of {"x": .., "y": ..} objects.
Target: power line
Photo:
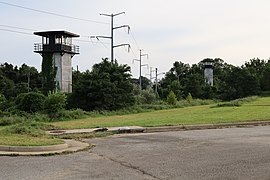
[
  {"x": 20, "y": 32},
  {"x": 103, "y": 44},
  {"x": 133, "y": 53},
  {"x": 65, "y": 16},
  {"x": 15, "y": 27},
  {"x": 52, "y": 13},
  {"x": 27, "y": 29},
  {"x": 134, "y": 40}
]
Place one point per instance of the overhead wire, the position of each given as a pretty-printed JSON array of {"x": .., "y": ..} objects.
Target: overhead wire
[
  {"x": 28, "y": 29},
  {"x": 19, "y": 32},
  {"x": 52, "y": 13},
  {"x": 15, "y": 27},
  {"x": 137, "y": 45},
  {"x": 59, "y": 15}
]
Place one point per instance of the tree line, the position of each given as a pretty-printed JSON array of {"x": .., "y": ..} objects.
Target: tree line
[
  {"x": 230, "y": 82},
  {"x": 110, "y": 86}
]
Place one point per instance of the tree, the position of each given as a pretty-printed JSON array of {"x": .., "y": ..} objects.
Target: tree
[
  {"x": 108, "y": 86},
  {"x": 176, "y": 87},
  {"x": 265, "y": 81},
  {"x": 145, "y": 82},
  {"x": 174, "y": 80},
  {"x": 256, "y": 67},
  {"x": 55, "y": 102},
  {"x": 194, "y": 85},
  {"x": 239, "y": 83},
  {"x": 30, "y": 102},
  {"x": 7, "y": 87}
]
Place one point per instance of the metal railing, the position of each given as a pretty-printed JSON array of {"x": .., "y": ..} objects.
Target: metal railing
[{"x": 39, "y": 47}]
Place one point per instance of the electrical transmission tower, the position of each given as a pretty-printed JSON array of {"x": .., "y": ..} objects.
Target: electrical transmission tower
[
  {"x": 141, "y": 65},
  {"x": 112, "y": 34},
  {"x": 150, "y": 74}
]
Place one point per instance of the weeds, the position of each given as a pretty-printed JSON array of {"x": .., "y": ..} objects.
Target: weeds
[{"x": 236, "y": 102}]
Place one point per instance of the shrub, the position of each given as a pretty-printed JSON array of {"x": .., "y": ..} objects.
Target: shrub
[
  {"x": 149, "y": 96},
  {"x": 189, "y": 98},
  {"x": 171, "y": 98},
  {"x": 55, "y": 102},
  {"x": 236, "y": 102},
  {"x": 35, "y": 129},
  {"x": 8, "y": 120},
  {"x": 68, "y": 114},
  {"x": 30, "y": 102}
]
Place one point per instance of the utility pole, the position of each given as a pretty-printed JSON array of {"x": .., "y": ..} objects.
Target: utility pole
[
  {"x": 141, "y": 65},
  {"x": 156, "y": 89},
  {"x": 112, "y": 35},
  {"x": 28, "y": 80},
  {"x": 156, "y": 80}
]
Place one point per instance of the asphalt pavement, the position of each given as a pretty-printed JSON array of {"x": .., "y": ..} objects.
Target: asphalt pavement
[{"x": 234, "y": 153}]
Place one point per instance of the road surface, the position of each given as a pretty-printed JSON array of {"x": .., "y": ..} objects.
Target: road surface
[{"x": 236, "y": 153}]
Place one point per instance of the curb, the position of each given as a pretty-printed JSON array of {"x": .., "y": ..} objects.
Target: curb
[
  {"x": 130, "y": 129},
  {"x": 69, "y": 147},
  {"x": 34, "y": 148},
  {"x": 138, "y": 129},
  {"x": 205, "y": 126}
]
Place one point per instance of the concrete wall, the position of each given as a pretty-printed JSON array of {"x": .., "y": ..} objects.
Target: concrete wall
[
  {"x": 63, "y": 76},
  {"x": 208, "y": 75}
]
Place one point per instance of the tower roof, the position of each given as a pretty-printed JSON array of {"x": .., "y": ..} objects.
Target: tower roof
[
  {"x": 208, "y": 60},
  {"x": 54, "y": 33}
]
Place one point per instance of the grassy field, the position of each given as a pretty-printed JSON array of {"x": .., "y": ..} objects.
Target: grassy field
[
  {"x": 32, "y": 134},
  {"x": 256, "y": 110}
]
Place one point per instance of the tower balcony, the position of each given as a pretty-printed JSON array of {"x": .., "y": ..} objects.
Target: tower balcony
[{"x": 61, "y": 48}]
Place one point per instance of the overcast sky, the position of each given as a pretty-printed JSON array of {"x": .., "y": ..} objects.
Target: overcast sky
[{"x": 171, "y": 30}]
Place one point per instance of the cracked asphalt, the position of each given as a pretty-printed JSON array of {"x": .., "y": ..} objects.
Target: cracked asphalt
[{"x": 236, "y": 153}]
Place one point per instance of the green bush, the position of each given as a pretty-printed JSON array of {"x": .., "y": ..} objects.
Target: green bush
[
  {"x": 189, "y": 98},
  {"x": 149, "y": 96},
  {"x": 30, "y": 102},
  {"x": 145, "y": 96},
  {"x": 171, "y": 98},
  {"x": 55, "y": 102}
]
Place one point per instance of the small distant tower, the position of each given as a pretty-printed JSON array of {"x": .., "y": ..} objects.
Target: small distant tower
[
  {"x": 57, "y": 45},
  {"x": 208, "y": 71}
]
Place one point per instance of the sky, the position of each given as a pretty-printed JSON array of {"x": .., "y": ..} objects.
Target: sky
[{"x": 168, "y": 31}]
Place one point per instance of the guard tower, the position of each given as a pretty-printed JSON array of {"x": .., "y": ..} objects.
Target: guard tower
[
  {"x": 58, "y": 46},
  {"x": 208, "y": 71}
]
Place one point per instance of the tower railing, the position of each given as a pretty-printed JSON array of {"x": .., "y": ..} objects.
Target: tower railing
[{"x": 73, "y": 49}]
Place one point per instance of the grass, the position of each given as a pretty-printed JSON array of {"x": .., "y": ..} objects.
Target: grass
[
  {"x": 27, "y": 134},
  {"x": 258, "y": 109},
  {"x": 24, "y": 140}
]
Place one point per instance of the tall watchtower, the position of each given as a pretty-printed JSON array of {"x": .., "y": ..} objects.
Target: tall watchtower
[
  {"x": 57, "y": 48},
  {"x": 208, "y": 71}
]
